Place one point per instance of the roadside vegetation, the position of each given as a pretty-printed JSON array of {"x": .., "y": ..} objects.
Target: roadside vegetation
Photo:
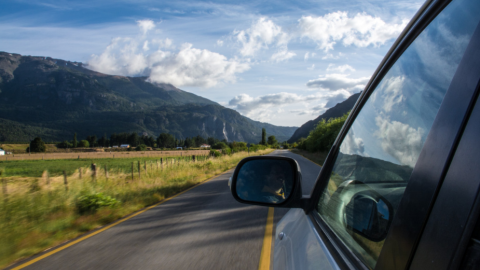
[
  {"x": 318, "y": 143},
  {"x": 42, "y": 207}
]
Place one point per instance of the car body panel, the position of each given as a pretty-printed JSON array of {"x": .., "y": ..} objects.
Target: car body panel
[{"x": 301, "y": 247}]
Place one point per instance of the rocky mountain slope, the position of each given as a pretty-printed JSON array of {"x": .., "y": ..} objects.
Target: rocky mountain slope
[
  {"x": 336, "y": 111},
  {"x": 53, "y": 98}
]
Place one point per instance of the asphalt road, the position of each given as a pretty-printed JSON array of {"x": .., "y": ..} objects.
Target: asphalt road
[{"x": 203, "y": 228}]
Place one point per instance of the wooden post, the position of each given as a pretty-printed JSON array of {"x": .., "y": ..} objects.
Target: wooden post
[
  {"x": 145, "y": 166},
  {"x": 106, "y": 172},
  {"x": 94, "y": 172},
  {"x": 139, "y": 170},
  {"x": 132, "y": 170},
  {"x": 80, "y": 172},
  {"x": 151, "y": 166},
  {"x": 193, "y": 157},
  {"x": 4, "y": 187},
  {"x": 65, "y": 182},
  {"x": 161, "y": 162},
  {"x": 78, "y": 156}
]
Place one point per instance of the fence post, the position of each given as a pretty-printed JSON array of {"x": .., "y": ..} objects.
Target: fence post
[
  {"x": 194, "y": 158},
  {"x": 106, "y": 172},
  {"x": 80, "y": 173},
  {"x": 151, "y": 166},
  {"x": 161, "y": 162},
  {"x": 94, "y": 172},
  {"x": 145, "y": 166},
  {"x": 65, "y": 182},
  {"x": 139, "y": 169},
  {"x": 132, "y": 170},
  {"x": 4, "y": 187}
]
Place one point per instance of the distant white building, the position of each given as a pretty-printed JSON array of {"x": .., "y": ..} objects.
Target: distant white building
[
  {"x": 125, "y": 146},
  {"x": 179, "y": 148},
  {"x": 204, "y": 146},
  {"x": 2, "y": 152}
]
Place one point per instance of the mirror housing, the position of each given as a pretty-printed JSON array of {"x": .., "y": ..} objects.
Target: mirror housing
[{"x": 273, "y": 181}]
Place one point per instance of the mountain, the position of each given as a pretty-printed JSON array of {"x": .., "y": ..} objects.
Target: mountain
[
  {"x": 54, "y": 98},
  {"x": 336, "y": 111}
]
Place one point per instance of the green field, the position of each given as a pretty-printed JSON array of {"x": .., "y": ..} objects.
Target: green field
[{"x": 35, "y": 168}]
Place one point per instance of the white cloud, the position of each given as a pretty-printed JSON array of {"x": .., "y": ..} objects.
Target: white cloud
[
  {"x": 195, "y": 67},
  {"x": 361, "y": 30},
  {"x": 331, "y": 56},
  {"x": 260, "y": 35},
  {"x": 308, "y": 55},
  {"x": 188, "y": 66},
  {"x": 392, "y": 93},
  {"x": 342, "y": 69},
  {"x": 352, "y": 145},
  {"x": 220, "y": 43},
  {"x": 146, "y": 25},
  {"x": 282, "y": 55},
  {"x": 338, "y": 81},
  {"x": 312, "y": 67},
  {"x": 263, "y": 107},
  {"x": 399, "y": 140}
]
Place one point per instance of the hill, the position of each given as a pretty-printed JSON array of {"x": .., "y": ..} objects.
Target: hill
[
  {"x": 55, "y": 98},
  {"x": 336, "y": 111}
]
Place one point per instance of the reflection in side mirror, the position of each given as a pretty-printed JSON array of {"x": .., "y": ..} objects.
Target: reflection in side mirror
[
  {"x": 368, "y": 217},
  {"x": 265, "y": 180}
]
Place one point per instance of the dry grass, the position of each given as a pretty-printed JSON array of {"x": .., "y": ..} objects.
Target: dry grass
[
  {"x": 38, "y": 213},
  {"x": 97, "y": 155}
]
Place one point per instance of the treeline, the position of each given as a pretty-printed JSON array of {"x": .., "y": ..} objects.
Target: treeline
[{"x": 322, "y": 137}]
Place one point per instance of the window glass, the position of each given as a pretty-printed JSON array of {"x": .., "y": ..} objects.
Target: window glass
[{"x": 381, "y": 148}]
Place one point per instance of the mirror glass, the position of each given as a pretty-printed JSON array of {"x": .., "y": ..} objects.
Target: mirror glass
[
  {"x": 368, "y": 217},
  {"x": 265, "y": 181}
]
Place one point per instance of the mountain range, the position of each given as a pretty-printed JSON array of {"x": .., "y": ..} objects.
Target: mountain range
[{"x": 54, "y": 98}]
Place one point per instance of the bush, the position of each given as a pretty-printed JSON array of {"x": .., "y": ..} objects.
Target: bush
[
  {"x": 65, "y": 144},
  {"x": 37, "y": 145},
  {"x": 322, "y": 137},
  {"x": 83, "y": 143},
  {"x": 220, "y": 145},
  {"x": 141, "y": 147},
  {"x": 90, "y": 203},
  {"x": 215, "y": 153}
]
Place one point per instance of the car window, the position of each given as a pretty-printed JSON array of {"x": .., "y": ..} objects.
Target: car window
[{"x": 381, "y": 148}]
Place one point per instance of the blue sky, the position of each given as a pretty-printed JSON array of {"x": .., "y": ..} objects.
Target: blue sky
[{"x": 281, "y": 62}]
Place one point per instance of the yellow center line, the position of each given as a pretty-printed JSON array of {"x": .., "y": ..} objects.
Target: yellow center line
[
  {"x": 107, "y": 227},
  {"x": 267, "y": 243}
]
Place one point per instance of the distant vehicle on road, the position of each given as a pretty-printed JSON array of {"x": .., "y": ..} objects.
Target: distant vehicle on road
[
  {"x": 125, "y": 146},
  {"x": 400, "y": 188}
]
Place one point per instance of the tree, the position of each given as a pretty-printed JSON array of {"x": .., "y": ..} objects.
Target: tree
[
  {"x": 272, "y": 140},
  {"x": 84, "y": 143},
  {"x": 165, "y": 140},
  {"x": 133, "y": 139},
  {"x": 264, "y": 137},
  {"x": 37, "y": 145},
  {"x": 75, "y": 142},
  {"x": 141, "y": 147}
]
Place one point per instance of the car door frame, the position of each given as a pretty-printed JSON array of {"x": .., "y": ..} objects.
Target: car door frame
[{"x": 436, "y": 155}]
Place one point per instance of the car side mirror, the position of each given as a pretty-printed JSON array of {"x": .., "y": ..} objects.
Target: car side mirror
[
  {"x": 369, "y": 216},
  {"x": 267, "y": 180}
]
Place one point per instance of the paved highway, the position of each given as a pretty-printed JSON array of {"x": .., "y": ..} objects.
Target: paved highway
[{"x": 203, "y": 228}]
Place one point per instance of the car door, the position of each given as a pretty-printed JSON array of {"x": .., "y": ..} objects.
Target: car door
[{"x": 381, "y": 179}]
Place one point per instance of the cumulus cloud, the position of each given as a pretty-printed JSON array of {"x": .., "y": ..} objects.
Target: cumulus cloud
[
  {"x": 261, "y": 34},
  {"x": 338, "y": 81},
  {"x": 282, "y": 56},
  {"x": 262, "y": 107},
  {"x": 146, "y": 25},
  {"x": 342, "y": 68},
  {"x": 400, "y": 140},
  {"x": 352, "y": 145},
  {"x": 360, "y": 30},
  {"x": 187, "y": 66}
]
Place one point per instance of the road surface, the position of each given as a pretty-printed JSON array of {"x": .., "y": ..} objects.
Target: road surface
[{"x": 203, "y": 228}]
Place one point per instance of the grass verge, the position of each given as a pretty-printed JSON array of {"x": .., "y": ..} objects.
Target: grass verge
[
  {"x": 316, "y": 157},
  {"x": 38, "y": 213}
]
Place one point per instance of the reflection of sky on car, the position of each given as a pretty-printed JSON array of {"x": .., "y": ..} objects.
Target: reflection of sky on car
[{"x": 395, "y": 121}]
